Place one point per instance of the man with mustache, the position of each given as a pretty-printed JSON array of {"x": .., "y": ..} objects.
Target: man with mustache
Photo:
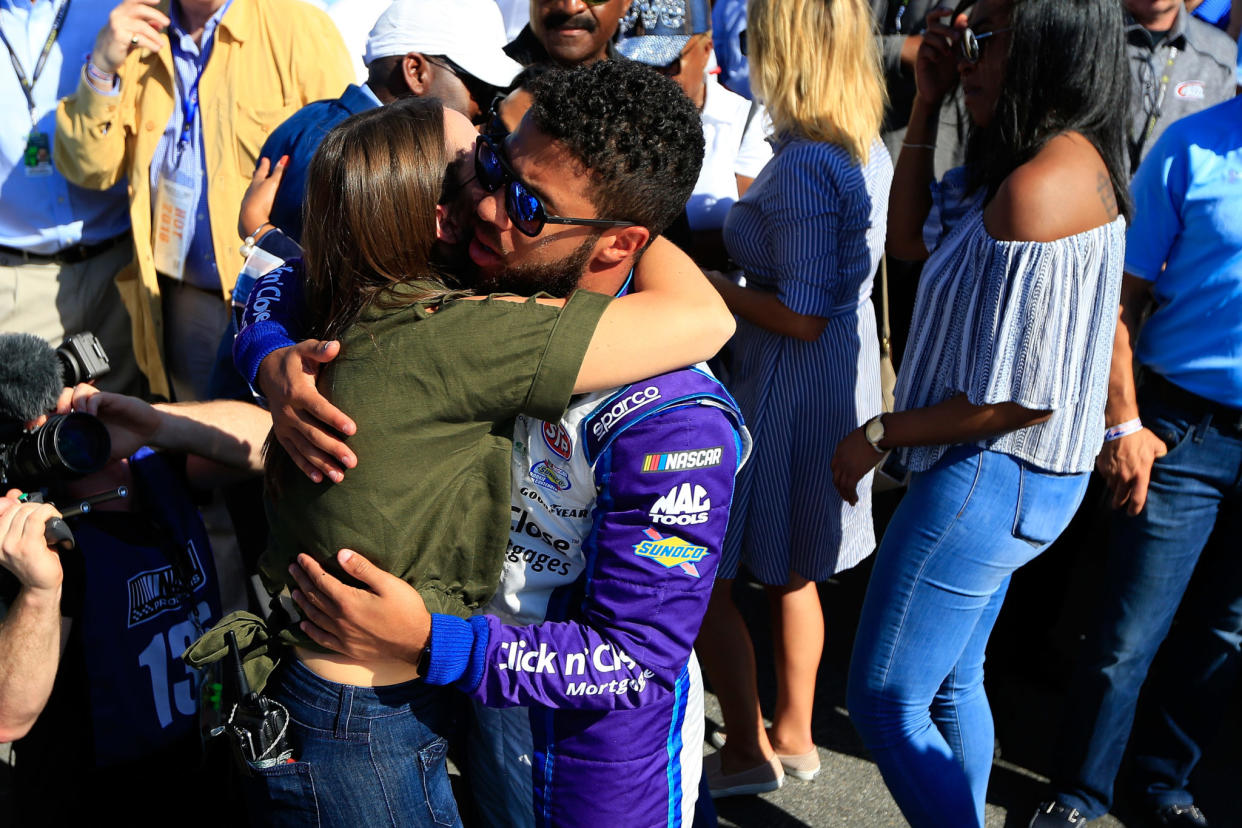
[
  {"x": 617, "y": 510},
  {"x": 568, "y": 33}
]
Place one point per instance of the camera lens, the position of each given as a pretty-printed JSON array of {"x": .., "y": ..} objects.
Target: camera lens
[{"x": 68, "y": 445}]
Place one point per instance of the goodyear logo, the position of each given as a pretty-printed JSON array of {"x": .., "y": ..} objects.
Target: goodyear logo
[
  {"x": 683, "y": 460},
  {"x": 553, "y": 478},
  {"x": 670, "y": 552}
]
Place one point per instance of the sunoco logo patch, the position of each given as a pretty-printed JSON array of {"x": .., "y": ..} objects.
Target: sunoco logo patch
[
  {"x": 670, "y": 552},
  {"x": 553, "y": 478}
]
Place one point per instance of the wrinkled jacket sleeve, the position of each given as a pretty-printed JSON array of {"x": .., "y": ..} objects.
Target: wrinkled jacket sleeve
[
  {"x": 647, "y": 582},
  {"x": 274, "y": 315},
  {"x": 90, "y": 146}
]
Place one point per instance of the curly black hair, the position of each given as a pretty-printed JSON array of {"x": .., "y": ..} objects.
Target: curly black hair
[{"x": 637, "y": 134}]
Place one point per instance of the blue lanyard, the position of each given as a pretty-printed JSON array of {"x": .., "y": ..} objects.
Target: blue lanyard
[
  {"x": 28, "y": 83},
  {"x": 189, "y": 108},
  {"x": 901, "y": 12}
]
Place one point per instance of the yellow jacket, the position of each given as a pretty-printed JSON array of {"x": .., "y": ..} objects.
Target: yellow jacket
[{"x": 270, "y": 58}]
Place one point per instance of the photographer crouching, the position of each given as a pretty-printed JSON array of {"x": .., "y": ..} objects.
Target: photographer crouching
[{"x": 123, "y": 715}]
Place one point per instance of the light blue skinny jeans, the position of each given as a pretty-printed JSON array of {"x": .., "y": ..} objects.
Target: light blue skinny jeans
[{"x": 916, "y": 676}]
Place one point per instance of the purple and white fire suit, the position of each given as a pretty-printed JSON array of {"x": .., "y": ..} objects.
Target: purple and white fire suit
[{"x": 619, "y": 511}]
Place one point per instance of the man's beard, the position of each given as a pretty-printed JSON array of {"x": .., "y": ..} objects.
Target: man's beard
[{"x": 558, "y": 278}]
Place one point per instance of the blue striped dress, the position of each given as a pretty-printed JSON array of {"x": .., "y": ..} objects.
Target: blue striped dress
[
  {"x": 1014, "y": 321},
  {"x": 811, "y": 230}
]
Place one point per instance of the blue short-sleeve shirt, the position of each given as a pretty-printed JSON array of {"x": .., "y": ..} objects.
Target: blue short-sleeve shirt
[{"x": 1186, "y": 240}]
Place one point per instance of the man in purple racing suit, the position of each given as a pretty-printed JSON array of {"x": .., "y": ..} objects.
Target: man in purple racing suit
[{"x": 618, "y": 510}]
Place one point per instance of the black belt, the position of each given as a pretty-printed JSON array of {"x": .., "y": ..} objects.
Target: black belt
[
  {"x": 74, "y": 254},
  {"x": 1223, "y": 416}
]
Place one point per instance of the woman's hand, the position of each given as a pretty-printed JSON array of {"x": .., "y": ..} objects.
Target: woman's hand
[
  {"x": 257, "y": 201},
  {"x": 852, "y": 460},
  {"x": 134, "y": 24},
  {"x": 303, "y": 421},
  {"x": 387, "y": 621},
  {"x": 935, "y": 67}
]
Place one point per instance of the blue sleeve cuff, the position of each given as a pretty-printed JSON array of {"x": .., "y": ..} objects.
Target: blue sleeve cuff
[
  {"x": 458, "y": 646},
  {"x": 253, "y": 344}
]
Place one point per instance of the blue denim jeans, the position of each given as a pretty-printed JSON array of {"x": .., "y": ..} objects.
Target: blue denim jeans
[
  {"x": 1195, "y": 488},
  {"x": 365, "y": 755},
  {"x": 915, "y": 690}
]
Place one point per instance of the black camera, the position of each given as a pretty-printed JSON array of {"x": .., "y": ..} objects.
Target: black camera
[
  {"x": 82, "y": 358},
  {"x": 67, "y": 446}
]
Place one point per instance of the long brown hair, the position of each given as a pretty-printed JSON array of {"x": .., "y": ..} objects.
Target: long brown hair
[{"x": 370, "y": 213}]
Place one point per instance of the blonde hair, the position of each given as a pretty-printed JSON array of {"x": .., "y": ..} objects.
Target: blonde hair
[{"x": 815, "y": 64}]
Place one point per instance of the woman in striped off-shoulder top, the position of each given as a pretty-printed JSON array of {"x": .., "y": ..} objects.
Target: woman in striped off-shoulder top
[{"x": 1000, "y": 400}]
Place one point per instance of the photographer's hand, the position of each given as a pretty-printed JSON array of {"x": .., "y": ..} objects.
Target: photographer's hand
[
  {"x": 30, "y": 637},
  {"x": 303, "y": 420},
  {"x": 386, "y": 622},
  {"x": 131, "y": 422},
  {"x": 23, "y": 549}
]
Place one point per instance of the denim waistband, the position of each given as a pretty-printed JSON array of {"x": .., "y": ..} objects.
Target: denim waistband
[{"x": 350, "y": 701}]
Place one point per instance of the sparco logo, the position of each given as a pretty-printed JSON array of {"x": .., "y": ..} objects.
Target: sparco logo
[
  {"x": 624, "y": 406},
  {"x": 684, "y": 505}
]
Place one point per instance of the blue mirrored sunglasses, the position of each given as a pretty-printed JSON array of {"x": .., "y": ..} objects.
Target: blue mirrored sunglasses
[{"x": 523, "y": 207}]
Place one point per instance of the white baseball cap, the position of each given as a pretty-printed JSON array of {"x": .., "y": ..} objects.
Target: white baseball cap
[{"x": 470, "y": 33}]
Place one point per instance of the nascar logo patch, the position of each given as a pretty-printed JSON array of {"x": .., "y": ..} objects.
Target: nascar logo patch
[
  {"x": 670, "y": 552},
  {"x": 683, "y": 460}
]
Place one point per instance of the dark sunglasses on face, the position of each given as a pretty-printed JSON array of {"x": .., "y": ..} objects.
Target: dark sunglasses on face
[
  {"x": 494, "y": 126},
  {"x": 970, "y": 46},
  {"x": 522, "y": 206},
  {"x": 671, "y": 69},
  {"x": 480, "y": 90}
]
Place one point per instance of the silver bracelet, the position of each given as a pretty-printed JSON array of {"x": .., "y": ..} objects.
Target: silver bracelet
[
  {"x": 918, "y": 146},
  {"x": 250, "y": 241}
]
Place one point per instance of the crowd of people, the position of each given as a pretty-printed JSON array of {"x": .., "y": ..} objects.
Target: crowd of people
[{"x": 459, "y": 356}]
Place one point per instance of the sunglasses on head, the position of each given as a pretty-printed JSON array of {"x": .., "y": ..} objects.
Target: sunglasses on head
[{"x": 522, "y": 206}]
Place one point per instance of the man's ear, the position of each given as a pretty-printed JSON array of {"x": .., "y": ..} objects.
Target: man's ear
[
  {"x": 621, "y": 244},
  {"x": 446, "y": 228},
  {"x": 416, "y": 70}
]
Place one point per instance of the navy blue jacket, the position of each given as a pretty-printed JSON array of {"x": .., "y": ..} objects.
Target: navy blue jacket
[{"x": 298, "y": 138}]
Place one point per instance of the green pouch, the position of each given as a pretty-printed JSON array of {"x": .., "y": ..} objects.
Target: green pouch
[{"x": 261, "y": 651}]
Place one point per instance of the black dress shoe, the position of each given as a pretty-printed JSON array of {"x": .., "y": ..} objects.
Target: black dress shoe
[
  {"x": 1183, "y": 816},
  {"x": 1053, "y": 814}
]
